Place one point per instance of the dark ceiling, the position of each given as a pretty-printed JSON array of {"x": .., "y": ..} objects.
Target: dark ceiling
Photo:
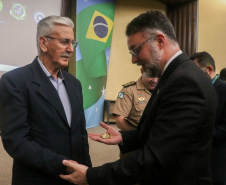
[{"x": 172, "y": 2}]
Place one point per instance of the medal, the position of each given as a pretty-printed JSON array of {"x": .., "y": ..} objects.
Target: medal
[
  {"x": 141, "y": 98},
  {"x": 105, "y": 135}
]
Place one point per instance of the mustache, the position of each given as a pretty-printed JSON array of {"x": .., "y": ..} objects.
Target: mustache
[
  {"x": 139, "y": 62},
  {"x": 66, "y": 55}
]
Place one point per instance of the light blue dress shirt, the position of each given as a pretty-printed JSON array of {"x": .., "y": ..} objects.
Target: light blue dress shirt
[{"x": 62, "y": 92}]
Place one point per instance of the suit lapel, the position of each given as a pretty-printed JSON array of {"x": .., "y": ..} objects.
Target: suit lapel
[
  {"x": 169, "y": 70},
  {"x": 75, "y": 100},
  {"x": 172, "y": 66},
  {"x": 72, "y": 98},
  {"x": 47, "y": 90}
]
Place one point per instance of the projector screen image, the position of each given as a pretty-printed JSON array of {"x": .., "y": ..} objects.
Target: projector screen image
[{"x": 18, "y": 24}]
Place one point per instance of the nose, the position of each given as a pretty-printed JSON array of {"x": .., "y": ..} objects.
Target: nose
[
  {"x": 134, "y": 59},
  {"x": 155, "y": 80},
  {"x": 70, "y": 48}
]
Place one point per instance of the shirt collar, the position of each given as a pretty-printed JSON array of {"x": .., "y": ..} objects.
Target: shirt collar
[
  {"x": 60, "y": 74},
  {"x": 171, "y": 59},
  {"x": 139, "y": 84},
  {"x": 214, "y": 79}
]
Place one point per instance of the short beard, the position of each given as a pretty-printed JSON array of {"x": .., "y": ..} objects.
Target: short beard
[{"x": 153, "y": 68}]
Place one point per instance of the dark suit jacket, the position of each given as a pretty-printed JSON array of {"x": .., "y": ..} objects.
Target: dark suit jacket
[
  {"x": 172, "y": 145},
  {"x": 35, "y": 131},
  {"x": 218, "y": 158}
]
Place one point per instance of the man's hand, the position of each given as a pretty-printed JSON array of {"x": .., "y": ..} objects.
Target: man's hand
[
  {"x": 70, "y": 170},
  {"x": 78, "y": 176},
  {"x": 115, "y": 135}
]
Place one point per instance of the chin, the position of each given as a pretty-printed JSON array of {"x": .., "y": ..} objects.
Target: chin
[
  {"x": 64, "y": 62},
  {"x": 62, "y": 66}
]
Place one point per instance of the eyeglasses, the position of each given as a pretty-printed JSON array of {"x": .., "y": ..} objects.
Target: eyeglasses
[
  {"x": 65, "y": 42},
  {"x": 136, "y": 51}
]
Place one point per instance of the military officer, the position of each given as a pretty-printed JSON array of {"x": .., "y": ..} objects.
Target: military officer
[{"x": 132, "y": 100}]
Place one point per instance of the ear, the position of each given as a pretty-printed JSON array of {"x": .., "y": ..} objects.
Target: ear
[
  {"x": 209, "y": 69},
  {"x": 42, "y": 44},
  {"x": 160, "y": 40}
]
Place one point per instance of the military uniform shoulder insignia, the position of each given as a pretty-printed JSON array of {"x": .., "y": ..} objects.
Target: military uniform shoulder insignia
[
  {"x": 129, "y": 84},
  {"x": 121, "y": 94}
]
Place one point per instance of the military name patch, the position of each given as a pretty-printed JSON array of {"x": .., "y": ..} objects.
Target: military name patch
[{"x": 142, "y": 102}]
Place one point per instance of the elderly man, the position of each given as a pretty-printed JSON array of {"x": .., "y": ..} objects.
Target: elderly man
[
  {"x": 172, "y": 144},
  {"x": 41, "y": 110}
]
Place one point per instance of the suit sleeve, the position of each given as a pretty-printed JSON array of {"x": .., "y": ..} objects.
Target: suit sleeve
[
  {"x": 85, "y": 145},
  {"x": 130, "y": 141},
  {"x": 179, "y": 112},
  {"x": 87, "y": 160},
  {"x": 15, "y": 131},
  {"x": 219, "y": 135}
]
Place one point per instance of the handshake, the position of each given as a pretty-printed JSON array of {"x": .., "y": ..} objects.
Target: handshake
[{"x": 77, "y": 172}]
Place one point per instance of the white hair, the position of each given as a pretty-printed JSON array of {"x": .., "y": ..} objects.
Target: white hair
[{"x": 46, "y": 26}]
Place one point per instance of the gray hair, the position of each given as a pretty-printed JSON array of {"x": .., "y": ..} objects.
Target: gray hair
[
  {"x": 46, "y": 26},
  {"x": 150, "y": 23}
]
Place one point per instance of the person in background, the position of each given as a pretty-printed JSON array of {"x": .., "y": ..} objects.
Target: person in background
[
  {"x": 172, "y": 144},
  {"x": 218, "y": 158},
  {"x": 131, "y": 101},
  {"x": 41, "y": 110},
  {"x": 223, "y": 74}
]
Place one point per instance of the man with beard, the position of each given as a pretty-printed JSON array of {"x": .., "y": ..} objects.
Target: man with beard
[
  {"x": 172, "y": 144},
  {"x": 41, "y": 110},
  {"x": 218, "y": 157}
]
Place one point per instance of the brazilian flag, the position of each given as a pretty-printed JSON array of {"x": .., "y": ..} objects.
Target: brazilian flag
[{"x": 94, "y": 34}]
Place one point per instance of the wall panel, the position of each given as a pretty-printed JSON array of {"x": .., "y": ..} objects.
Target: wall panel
[{"x": 184, "y": 18}]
